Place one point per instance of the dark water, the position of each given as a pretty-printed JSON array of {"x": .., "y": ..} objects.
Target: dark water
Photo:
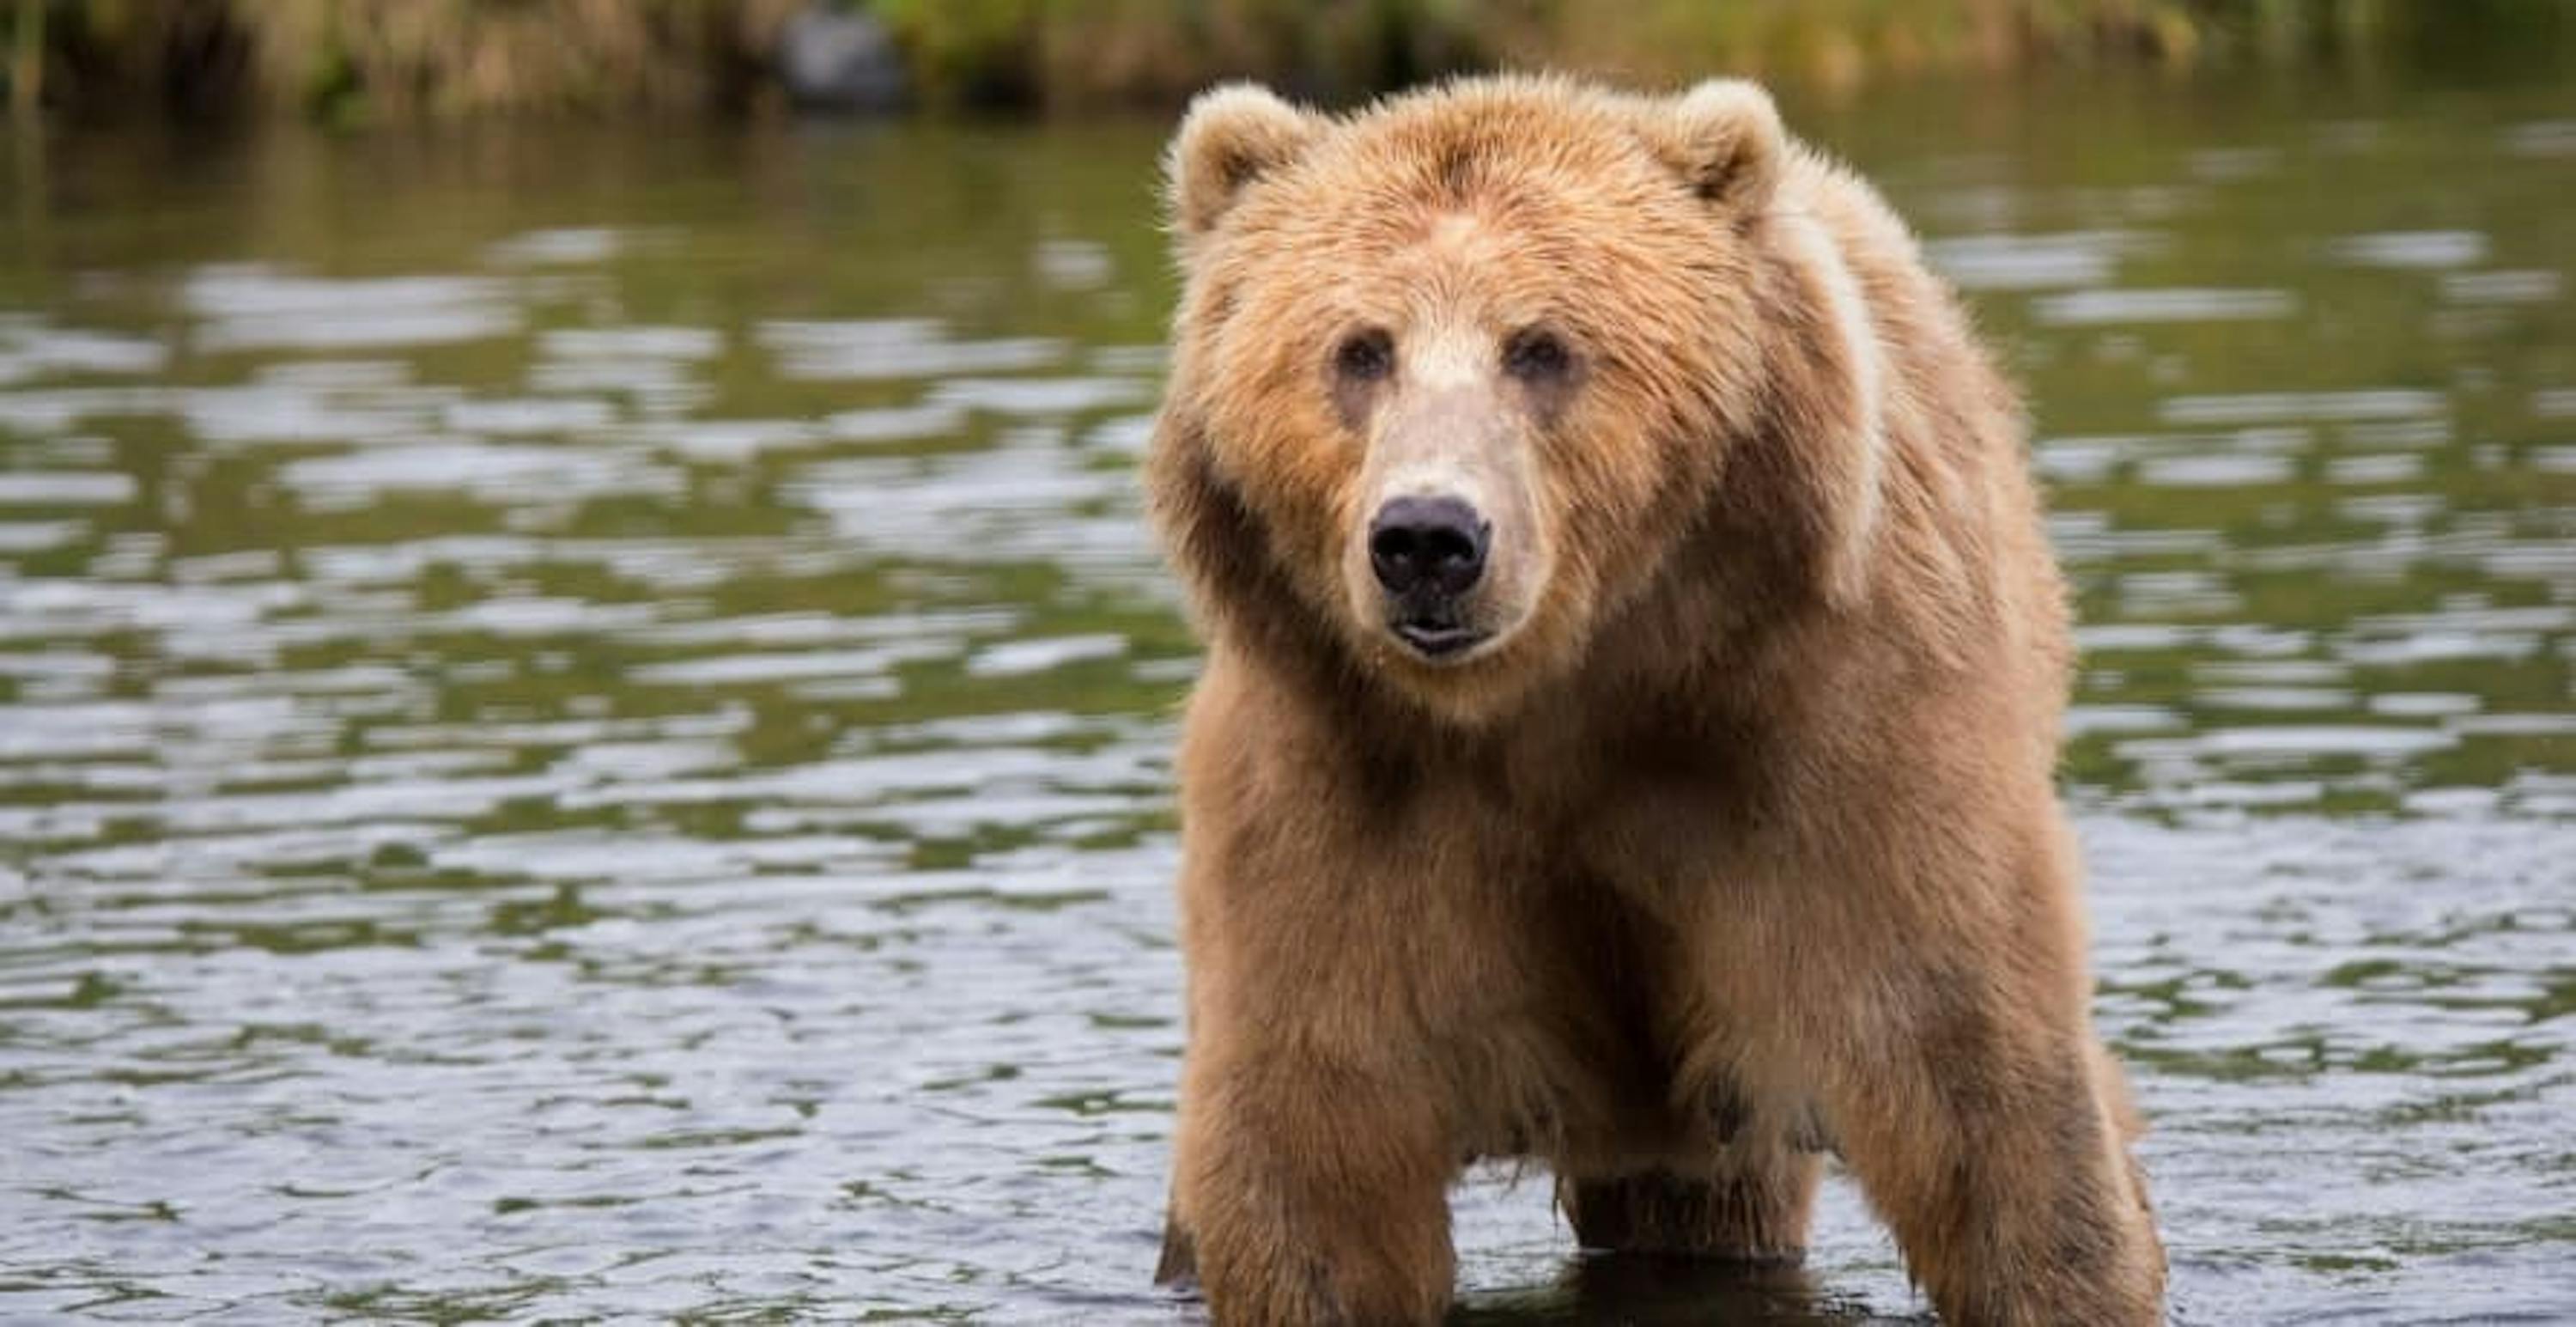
[{"x": 583, "y": 716}]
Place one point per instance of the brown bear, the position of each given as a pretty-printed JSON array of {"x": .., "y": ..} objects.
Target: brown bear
[{"x": 1634, "y": 674}]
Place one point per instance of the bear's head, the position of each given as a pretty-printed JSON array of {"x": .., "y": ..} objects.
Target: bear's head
[{"x": 1457, "y": 379}]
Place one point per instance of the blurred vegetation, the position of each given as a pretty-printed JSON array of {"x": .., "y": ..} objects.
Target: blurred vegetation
[
  {"x": 348, "y": 59},
  {"x": 344, "y": 59}
]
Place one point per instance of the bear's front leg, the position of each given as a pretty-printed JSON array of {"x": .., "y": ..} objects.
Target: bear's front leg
[
  {"x": 1935, "y": 1000},
  {"x": 1988, "y": 1128},
  {"x": 2006, "y": 1181},
  {"x": 1310, "y": 1193}
]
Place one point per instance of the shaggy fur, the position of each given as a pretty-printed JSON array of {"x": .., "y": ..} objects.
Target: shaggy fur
[{"x": 1737, "y": 841}]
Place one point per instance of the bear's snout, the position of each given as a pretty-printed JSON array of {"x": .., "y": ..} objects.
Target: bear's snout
[
  {"x": 1434, "y": 545},
  {"x": 1427, "y": 553}
]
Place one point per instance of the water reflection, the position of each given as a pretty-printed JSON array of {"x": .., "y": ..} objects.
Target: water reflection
[{"x": 584, "y": 721}]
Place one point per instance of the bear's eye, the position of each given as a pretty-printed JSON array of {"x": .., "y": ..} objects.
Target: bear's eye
[
  {"x": 1534, "y": 355},
  {"x": 1365, "y": 356}
]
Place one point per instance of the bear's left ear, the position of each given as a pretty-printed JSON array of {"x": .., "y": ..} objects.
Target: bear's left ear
[
  {"x": 1723, "y": 138},
  {"x": 1229, "y": 138}
]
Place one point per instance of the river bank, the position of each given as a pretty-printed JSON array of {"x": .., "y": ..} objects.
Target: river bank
[{"x": 346, "y": 62}]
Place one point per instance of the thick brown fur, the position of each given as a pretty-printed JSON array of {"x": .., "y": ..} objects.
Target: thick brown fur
[{"x": 1737, "y": 840}]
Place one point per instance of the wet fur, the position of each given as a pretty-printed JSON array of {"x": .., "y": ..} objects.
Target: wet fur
[{"x": 1745, "y": 846}]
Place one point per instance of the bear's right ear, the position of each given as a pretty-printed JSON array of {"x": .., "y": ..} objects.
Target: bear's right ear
[
  {"x": 1723, "y": 138},
  {"x": 1229, "y": 137}
]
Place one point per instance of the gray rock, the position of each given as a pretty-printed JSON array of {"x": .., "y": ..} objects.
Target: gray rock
[{"x": 840, "y": 61}]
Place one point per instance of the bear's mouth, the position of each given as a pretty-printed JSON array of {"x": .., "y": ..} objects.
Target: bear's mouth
[{"x": 1436, "y": 640}]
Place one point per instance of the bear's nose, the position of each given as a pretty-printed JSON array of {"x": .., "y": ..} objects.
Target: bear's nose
[{"x": 1436, "y": 544}]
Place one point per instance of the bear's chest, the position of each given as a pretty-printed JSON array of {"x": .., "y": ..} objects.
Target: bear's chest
[{"x": 1646, "y": 806}]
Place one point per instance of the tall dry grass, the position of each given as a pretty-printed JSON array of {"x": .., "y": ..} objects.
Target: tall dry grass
[
  {"x": 465, "y": 57},
  {"x": 339, "y": 59}
]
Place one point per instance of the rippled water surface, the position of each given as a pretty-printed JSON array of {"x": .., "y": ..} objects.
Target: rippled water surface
[{"x": 583, "y": 716}]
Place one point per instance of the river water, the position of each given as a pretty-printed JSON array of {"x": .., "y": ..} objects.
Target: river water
[{"x": 584, "y": 715}]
